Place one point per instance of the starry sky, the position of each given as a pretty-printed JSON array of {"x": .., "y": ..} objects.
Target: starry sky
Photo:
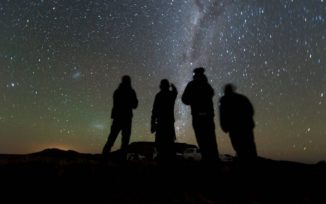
[{"x": 61, "y": 60}]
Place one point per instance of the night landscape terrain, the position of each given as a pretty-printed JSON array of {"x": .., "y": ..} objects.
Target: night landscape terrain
[{"x": 59, "y": 174}]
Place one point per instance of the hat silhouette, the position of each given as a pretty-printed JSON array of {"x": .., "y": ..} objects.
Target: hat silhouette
[{"x": 199, "y": 70}]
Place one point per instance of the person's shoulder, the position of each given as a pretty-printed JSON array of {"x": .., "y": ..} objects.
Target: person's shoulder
[
  {"x": 190, "y": 83},
  {"x": 210, "y": 86},
  {"x": 158, "y": 94},
  {"x": 223, "y": 99},
  {"x": 243, "y": 97},
  {"x": 116, "y": 91}
]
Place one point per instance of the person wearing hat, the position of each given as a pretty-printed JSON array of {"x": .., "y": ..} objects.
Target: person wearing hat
[{"x": 199, "y": 96}]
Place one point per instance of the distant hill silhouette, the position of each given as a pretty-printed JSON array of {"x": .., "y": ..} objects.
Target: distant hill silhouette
[{"x": 55, "y": 152}]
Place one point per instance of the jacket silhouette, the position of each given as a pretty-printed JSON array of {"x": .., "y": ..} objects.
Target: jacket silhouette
[
  {"x": 124, "y": 101},
  {"x": 162, "y": 120},
  {"x": 199, "y": 96},
  {"x": 236, "y": 118}
]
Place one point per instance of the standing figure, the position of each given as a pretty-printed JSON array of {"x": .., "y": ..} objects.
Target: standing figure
[
  {"x": 162, "y": 121},
  {"x": 124, "y": 100},
  {"x": 199, "y": 95},
  {"x": 236, "y": 118}
]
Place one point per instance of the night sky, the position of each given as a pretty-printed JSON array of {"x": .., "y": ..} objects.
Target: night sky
[{"x": 61, "y": 60}]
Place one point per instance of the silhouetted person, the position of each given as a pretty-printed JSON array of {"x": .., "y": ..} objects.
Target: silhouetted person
[
  {"x": 162, "y": 121},
  {"x": 236, "y": 118},
  {"x": 124, "y": 100},
  {"x": 199, "y": 95}
]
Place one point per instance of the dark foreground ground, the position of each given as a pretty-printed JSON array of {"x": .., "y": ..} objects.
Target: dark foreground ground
[{"x": 62, "y": 176}]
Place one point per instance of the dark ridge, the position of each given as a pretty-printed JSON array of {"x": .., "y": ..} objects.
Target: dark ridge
[
  {"x": 55, "y": 152},
  {"x": 60, "y": 174}
]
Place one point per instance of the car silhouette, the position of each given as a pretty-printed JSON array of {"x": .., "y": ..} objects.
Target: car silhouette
[
  {"x": 147, "y": 151},
  {"x": 192, "y": 153}
]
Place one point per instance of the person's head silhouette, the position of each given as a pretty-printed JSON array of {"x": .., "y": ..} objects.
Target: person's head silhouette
[
  {"x": 198, "y": 74},
  {"x": 165, "y": 84},
  {"x": 229, "y": 88},
  {"x": 199, "y": 71},
  {"x": 125, "y": 81}
]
